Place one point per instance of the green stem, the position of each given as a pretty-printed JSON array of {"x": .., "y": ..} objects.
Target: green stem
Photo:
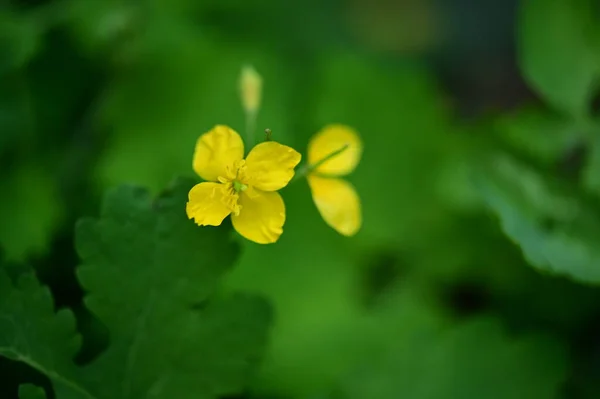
[
  {"x": 250, "y": 126},
  {"x": 306, "y": 169}
]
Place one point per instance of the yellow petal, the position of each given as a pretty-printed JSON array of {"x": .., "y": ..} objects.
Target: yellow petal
[
  {"x": 270, "y": 165},
  {"x": 209, "y": 203},
  {"x": 337, "y": 202},
  {"x": 216, "y": 152},
  {"x": 262, "y": 216},
  {"x": 330, "y": 139}
]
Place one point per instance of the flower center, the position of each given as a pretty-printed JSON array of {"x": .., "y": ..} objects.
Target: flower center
[{"x": 239, "y": 186}]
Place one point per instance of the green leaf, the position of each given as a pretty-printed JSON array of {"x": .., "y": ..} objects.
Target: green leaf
[
  {"x": 557, "y": 232},
  {"x": 591, "y": 171},
  {"x": 30, "y": 211},
  {"x": 473, "y": 360},
  {"x": 146, "y": 266},
  {"x": 557, "y": 55},
  {"x": 542, "y": 135},
  {"x": 96, "y": 25},
  {"x": 152, "y": 278},
  {"x": 29, "y": 391},
  {"x": 34, "y": 334},
  {"x": 313, "y": 346},
  {"x": 19, "y": 39}
]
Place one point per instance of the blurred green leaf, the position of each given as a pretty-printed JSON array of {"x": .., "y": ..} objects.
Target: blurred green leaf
[
  {"x": 100, "y": 25},
  {"x": 591, "y": 171},
  {"x": 543, "y": 136},
  {"x": 152, "y": 277},
  {"x": 15, "y": 111},
  {"x": 30, "y": 210},
  {"x": 473, "y": 360},
  {"x": 313, "y": 346},
  {"x": 557, "y": 232},
  {"x": 29, "y": 391},
  {"x": 19, "y": 39},
  {"x": 558, "y": 55}
]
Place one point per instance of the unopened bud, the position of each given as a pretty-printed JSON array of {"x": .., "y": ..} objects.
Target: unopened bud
[
  {"x": 268, "y": 133},
  {"x": 250, "y": 89}
]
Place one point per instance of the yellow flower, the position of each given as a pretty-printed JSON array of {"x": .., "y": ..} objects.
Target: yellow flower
[
  {"x": 334, "y": 152},
  {"x": 246, "y": 189}
]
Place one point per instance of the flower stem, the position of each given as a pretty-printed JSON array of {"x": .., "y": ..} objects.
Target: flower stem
[
  {"x": 306, "y": 169},
  {"x": 250, "y": 126}
]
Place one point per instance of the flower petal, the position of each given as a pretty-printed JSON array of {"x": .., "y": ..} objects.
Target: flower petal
[
  {"x": 262, "y": 216},
  {"x": 216, "y": 152},
  {"x": 208, "y": 203},
  {"x": 330, "y": 139},
  {"x": 270, "y": 165},
  {"x": 337, "y": 202}
]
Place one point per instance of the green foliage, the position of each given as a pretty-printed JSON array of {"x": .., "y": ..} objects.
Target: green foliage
[
  {"x": 539, "y": 134},
  {"x": 19, "y": 39},
  {"x": 30, "y": 391},
  {"x": 24, "y": 233},
  {"x": 551, "y": 217},
  {"x": 498, "y": 367},
  {"x": 34, "y": 334},
  {"x": 591, "y": 173},
  {"x": 475, "y": 271},
  {"x": 152, "y": 278},
  {"x": 559, "y": 50},
  {"x": 557, "y": 232}
]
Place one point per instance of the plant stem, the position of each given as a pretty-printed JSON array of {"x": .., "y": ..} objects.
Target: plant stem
[
  {"x": 306, "y": 169},
  {"x": 250, "y": 126}
]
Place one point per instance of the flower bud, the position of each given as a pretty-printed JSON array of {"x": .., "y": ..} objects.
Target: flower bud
[{"x": 250, "y": 89}]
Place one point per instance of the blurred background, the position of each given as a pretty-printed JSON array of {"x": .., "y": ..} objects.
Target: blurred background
[{"x": 431, "y": 299}]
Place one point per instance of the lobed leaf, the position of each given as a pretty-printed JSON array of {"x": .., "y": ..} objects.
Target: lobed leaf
[{"x": 152, "y": 278}]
